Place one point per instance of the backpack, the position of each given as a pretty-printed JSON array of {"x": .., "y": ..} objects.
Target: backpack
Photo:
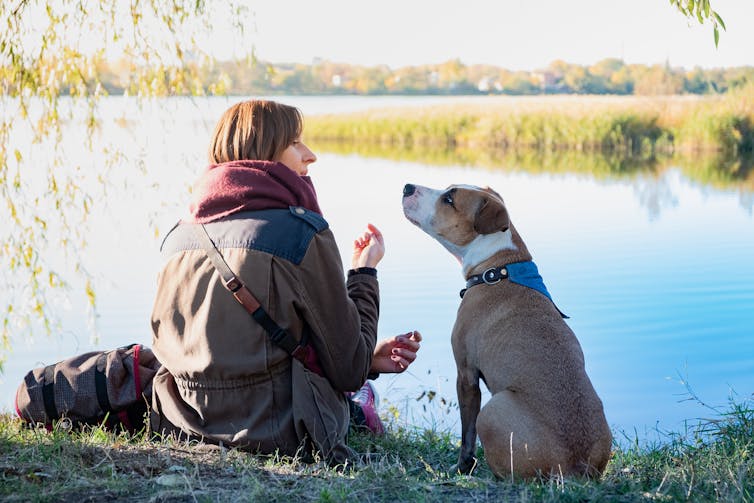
[{"x": 113, "y": 388}]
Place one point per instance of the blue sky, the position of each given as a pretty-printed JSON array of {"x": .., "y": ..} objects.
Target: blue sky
[{"x": 515, "y": 34}]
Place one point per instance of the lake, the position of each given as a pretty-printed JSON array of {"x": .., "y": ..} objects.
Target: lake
[{"x": 655, "y": 267}]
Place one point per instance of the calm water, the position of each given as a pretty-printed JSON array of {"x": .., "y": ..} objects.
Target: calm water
[{"x": 656, "y": 269}]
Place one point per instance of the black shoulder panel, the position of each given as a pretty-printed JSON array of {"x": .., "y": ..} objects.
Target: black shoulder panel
[{"x": 280, "y": 232}]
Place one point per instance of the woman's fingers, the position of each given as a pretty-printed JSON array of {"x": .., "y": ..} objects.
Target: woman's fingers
[
  {"x": 395, "y": 354},
  {"x": 374, "y": 231},
  {"x": 362, "y": 241},
  {"x": 409, "y": 340},
  {"x": 402, "y": 363},
  {"x": 404, "y": 354}
]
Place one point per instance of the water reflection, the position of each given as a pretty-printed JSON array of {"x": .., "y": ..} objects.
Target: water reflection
[
  {"x": 709, "y": 169},
  {"x": 654, "y": 194}
]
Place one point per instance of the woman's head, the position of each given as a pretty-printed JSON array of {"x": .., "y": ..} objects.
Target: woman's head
[{"x": 255, "y": 130}]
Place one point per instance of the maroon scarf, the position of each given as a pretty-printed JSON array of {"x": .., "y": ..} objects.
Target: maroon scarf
[{"x": 231, "y": 187}]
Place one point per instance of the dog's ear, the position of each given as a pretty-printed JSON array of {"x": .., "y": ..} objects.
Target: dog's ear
[
  {"x": 489, "y": 190},
  {"x": 491, "y": 216}
]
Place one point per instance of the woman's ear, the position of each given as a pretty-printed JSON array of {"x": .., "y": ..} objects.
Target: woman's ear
[{"x": 492, "y": 216}]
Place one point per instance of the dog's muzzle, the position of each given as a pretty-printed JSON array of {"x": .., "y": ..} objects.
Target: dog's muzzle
[{"x": 408, "y": 190}]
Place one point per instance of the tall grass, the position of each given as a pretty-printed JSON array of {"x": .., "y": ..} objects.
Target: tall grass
[
  {"x": 618, "y": 125},
  {"x": 711, "y": 461}
]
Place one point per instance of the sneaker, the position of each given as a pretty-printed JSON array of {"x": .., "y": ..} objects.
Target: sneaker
[{"x": 367, "y": 399}]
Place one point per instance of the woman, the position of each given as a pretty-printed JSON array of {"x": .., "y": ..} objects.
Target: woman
[{"x": 223, "y": 378}]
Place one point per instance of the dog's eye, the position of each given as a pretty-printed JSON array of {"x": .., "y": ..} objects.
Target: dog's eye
[{"x": 447, "y": 198}]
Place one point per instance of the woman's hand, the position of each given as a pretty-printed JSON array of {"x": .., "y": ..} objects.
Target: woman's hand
[
  {"x": 368, "y": 249},
  {"x": 394, "y": 354}
]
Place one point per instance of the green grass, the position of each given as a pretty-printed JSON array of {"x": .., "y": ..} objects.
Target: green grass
[
  {"x": 712, "y": 461},
  {"x": 618, "y": 125}
]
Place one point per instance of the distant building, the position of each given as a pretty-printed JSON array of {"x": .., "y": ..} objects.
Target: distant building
[
  {"x": 489, "y": 85},
  {"x": 547, "y": 80}
]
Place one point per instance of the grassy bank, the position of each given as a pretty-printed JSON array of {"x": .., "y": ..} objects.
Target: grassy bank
[
  {"x": 624, "y": 125},
  {"x": 713, "y": 461}
]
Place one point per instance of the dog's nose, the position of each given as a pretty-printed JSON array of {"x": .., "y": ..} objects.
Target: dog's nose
[{"x": 408, "y": 189}]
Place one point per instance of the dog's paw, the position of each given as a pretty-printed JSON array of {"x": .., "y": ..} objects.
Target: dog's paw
[{"x": 465, "y": 466}]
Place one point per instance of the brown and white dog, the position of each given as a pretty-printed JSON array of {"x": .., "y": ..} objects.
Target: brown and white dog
[{"x": 544, "y": 416}]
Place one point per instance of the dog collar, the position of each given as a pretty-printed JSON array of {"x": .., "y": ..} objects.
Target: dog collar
[{"x": 522, "y": 273}]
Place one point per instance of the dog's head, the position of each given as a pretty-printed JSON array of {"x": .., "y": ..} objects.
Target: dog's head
[{"x": 470, "y": 222}]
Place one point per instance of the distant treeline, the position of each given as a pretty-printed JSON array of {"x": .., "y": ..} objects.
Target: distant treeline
[{"x": 609, "y": 76}]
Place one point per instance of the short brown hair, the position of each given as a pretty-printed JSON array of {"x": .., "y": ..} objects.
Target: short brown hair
[{"x": 255, "y": 130}]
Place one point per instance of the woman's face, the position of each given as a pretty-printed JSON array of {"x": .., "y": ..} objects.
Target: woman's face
[{"x": 297, "y": 157}]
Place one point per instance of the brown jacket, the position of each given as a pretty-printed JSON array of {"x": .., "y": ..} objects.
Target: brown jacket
[{"x": 223, "y": 380}]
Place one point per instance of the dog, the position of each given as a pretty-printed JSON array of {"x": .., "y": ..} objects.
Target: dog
[{"x": 544, "y": 417}]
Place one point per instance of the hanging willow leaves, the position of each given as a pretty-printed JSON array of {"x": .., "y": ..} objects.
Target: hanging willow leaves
[
  {"x": 52, "y": 59},
  {"x": 702, "y": 12}
]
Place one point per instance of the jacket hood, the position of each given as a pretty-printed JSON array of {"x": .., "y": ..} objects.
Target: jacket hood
[{"x": 231, "y": 187}]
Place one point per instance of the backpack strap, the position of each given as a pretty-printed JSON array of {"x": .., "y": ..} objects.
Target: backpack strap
[
  {"x": 100, "y": 384},
  {"x": 48, "y": 393},
  {"x": 299, "y": 350},
  {"x": 125, "y": 416}
]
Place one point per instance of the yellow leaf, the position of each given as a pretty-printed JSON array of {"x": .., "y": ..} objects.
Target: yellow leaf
[{"x": 90, "y": 293}]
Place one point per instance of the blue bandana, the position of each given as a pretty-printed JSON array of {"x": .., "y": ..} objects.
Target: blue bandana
[
  {"x": 522, "y": 273},
  {"x": 527, "y": 274}
]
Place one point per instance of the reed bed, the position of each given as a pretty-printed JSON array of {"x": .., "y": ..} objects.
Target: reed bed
[{"x": 622, "y": 125}]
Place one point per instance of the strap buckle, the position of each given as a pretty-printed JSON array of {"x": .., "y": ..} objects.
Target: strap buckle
[
  {"x": 233, "y": 284},
  {"x": 494, "y": 275}
]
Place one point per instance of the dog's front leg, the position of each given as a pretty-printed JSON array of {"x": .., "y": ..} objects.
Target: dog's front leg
[{"x": 469, "y": 400}]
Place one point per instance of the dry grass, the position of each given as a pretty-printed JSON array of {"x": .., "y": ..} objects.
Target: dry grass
[{"x": 627, "y": 124}]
